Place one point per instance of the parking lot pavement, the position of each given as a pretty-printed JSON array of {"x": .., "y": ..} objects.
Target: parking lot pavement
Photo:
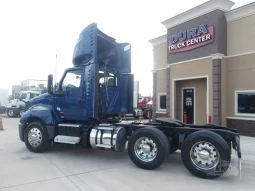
[{"x": 66, "y": 167}]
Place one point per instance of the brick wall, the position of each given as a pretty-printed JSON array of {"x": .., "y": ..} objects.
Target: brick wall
[{"x": 244, "y": 127}]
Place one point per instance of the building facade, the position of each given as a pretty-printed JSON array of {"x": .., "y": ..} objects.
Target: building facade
[{"x": 204, "y": 67}]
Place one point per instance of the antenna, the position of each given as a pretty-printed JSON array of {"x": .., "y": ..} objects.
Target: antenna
[{"x": 56, "y": 69}]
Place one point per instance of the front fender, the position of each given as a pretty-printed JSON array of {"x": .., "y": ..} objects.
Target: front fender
[{"x": 44, "y": 113}]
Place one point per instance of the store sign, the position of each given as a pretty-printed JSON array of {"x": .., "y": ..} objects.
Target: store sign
[{"x": 190, "y": 39}]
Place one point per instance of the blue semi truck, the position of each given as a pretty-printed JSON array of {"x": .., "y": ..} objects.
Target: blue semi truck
[{"x": 85, "y": 107}]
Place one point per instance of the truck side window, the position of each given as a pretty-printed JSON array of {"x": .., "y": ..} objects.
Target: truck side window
[
  {"x": 72, "y": 80},
  {"x": 146, "y": 99},
  {"x": 32, "y": 95},
  {"x": 23, "y": 96},
  {"x": 111, "y": 80}
]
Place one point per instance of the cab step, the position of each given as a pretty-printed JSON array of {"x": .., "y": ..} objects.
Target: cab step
[{"x": 67, "y": 139}]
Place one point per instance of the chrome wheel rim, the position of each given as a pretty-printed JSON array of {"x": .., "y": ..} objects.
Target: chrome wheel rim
[
  {"x": 10, "y": 112},
  {"x": 204, "y": 155},
  {"x": 35, "y": 137},
  {"x": 22, "y": 112},
  {"x": 145, "y": 149}
]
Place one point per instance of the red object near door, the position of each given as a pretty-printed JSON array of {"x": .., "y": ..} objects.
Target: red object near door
[
  {"x": 185, "y": 117},
  {"x": 209, "y": 119}
]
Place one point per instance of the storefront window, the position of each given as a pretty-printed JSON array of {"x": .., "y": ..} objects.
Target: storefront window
[
  {"x": 245, "y": 103},
  {"x": 162, "y": 102}
]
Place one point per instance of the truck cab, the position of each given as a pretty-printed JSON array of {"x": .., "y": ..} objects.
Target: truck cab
[
  {"x": 99, "y": 84},
  {"x": 144, "y": 101}
]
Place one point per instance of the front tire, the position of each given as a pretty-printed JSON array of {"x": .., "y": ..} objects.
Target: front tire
[
  {"x": 206, "y": 154},
  {"x": 11, "y": 113},
  {"x": 146, "y": 113},
  {"x": 135, "y": 115},
  {"x": 36, "y": 137},
  {"x": 148, "y": 148},
  {"x": 21, "y": 112}
]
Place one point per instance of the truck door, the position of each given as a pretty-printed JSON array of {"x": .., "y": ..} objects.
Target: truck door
[
  {"x": 126, "y": 89},
  {"x": 109, "y": 91},
  {"x": 70, "y": 99},
  {"x": 188, "y": 105}
]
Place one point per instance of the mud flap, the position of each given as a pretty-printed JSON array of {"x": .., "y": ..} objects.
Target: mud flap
[{"x": 239, "y": 155}]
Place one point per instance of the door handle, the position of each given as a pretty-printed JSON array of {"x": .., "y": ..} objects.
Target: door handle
[{"x": 79, "y": 103}]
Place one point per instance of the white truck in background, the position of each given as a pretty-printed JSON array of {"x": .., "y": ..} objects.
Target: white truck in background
[
  {"x": 16, "y": 107},
  {"x": 30, "y": 88}
]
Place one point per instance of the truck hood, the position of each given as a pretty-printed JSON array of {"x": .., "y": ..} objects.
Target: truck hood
[
  {"x": 14, "y": 102},
  {"x": 42, "y": 99},
  {"x": 42, "y": 96}
]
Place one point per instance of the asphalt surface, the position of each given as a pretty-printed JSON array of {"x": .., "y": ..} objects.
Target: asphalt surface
[{"x": 66, "y": 167}]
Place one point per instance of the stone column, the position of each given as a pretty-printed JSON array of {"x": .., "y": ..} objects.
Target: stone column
[
  {"x": 216, "y": 65},
  {"x": 168, "y": 82},
  {"x": 154, "y": 96}
]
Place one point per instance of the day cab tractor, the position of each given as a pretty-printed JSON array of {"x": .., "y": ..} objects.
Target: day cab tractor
[
  {"x": 85, "y": 107},
  {"x": 143, "y": 105}
]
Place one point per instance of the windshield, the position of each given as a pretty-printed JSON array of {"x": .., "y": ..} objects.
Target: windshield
[
  {"x": 22, "y": 95},
  {"x": 72, "y": 79}
]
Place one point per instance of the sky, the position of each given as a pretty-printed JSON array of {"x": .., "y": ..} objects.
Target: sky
[{"x": 32, "y": 32}]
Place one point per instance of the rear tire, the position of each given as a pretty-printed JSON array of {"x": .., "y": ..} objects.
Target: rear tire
[
  {"x": 206, "y": 154},
  {"x": 148, "y": 148},
  {"x": 36, "y": 137}
]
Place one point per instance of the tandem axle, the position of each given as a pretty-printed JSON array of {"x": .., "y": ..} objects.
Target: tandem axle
[{"x": 203, "y": 148}]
